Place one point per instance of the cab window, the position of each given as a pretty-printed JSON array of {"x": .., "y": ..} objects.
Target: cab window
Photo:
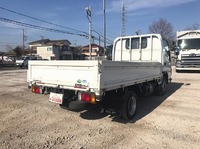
[
  {"x": 135, "y": 43},
  {"x": 144, "y": 42},
  {"x": 127, "y": 44}
]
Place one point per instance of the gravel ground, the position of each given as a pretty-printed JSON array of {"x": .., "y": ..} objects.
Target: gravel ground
[{"x": 28, "y": 120}]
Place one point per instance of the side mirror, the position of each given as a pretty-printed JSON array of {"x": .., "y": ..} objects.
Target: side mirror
[{"x": 176, "y": 50}]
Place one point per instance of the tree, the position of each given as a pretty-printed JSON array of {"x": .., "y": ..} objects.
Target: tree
[
  {"x": 194, "y": 26},
  {"x": 164, "y": 28},
  {"x": 18, "y": 51}
]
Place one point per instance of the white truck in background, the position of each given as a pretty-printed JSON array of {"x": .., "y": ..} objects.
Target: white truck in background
[
  {"x": 188, "y": 50},
  {"x": 140, "y": 66}
]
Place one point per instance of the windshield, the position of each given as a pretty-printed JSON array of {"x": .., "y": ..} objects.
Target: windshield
[
  {"x": 23, "y": 58},
  {"x": 189, "y": 43}
]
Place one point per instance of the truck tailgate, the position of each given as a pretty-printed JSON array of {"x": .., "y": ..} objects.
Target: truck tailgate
[{"x": 65, "y": 74}]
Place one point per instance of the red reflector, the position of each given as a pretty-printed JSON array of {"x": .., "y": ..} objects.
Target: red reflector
[
  {"x": 82, "y": 96},
  {"x": 88, "y": 97},
  {"x": 36, "y": 89},
  {"x": 85, "y": 97}
]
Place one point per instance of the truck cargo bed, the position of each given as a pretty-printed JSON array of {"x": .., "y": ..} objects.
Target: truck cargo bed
[{"x": 92, "y": 75}]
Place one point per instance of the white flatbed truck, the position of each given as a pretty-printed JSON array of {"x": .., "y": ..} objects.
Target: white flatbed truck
[{"x": 140, "y": 65}]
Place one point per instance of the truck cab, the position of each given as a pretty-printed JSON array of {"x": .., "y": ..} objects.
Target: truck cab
[{"x": 188, "y": 50}]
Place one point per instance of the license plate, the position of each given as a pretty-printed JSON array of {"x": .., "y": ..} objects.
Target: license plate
[{"x": 56, "y": 98}]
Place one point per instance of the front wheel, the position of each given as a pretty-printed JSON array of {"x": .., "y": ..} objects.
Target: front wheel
[{"x": 129, "y": 106}]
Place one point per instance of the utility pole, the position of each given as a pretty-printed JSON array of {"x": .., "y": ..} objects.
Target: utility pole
[
  {"x": 104, "y": 24},
  {"x": 23, "y": 40},
  {"x": 99, "y": 40},
  {"x": 89, "y": 16}
]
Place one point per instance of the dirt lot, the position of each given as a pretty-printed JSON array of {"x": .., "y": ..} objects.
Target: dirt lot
[{"x": 28, "y": 120}]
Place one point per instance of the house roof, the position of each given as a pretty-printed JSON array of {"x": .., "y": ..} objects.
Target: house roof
[
  {"x": 42, "y": 41},
  {"x": 58, "y": 42},
  {"x": 50, "y": 42},
  {"x": 93, "y": 45}
]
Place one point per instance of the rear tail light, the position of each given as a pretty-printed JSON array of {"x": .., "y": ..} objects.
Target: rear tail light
[
  {"x": 36, "y": 89},
  {"x": 87, "y": 97}
]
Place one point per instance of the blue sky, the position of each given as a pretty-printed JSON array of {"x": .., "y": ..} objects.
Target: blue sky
[{"x": 71, "y": 13}]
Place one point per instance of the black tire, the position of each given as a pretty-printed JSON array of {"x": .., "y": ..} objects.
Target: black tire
[
  {"x": 161, "y": 88},
  {"x": 129, "y": 106}
]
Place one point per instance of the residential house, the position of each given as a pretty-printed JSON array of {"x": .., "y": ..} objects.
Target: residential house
[
  {"x": 52, "y": 49},
  {"x": 96, "y": 50}
]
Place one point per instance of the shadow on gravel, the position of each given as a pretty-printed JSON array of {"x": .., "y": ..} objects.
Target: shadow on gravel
[
  {"x": 88, "y": 111},
  {"x": 145, "y": 105},
  {"x": 92, "y": 114}
]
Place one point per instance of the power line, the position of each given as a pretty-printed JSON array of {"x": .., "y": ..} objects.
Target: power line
[
  {"x": 110, "y": 41},
  {"x": 41, "y": 20},
  {"x": 41, "y": 28},
  {"x": 110, "y": 34},
  {"x": 85, "y": 34},
  {"x": 3, "y": 45},
  {"x": 10, "y": 27},
  {"x": 8, "y": 43},
  {"x": 38, "y": 27}
]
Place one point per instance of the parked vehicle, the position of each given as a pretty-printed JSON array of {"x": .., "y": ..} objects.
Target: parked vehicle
[
  {"x": 140, "y": 66},
  {"x": 23, "y": 60},
  {"x": 188, "y": 50}
]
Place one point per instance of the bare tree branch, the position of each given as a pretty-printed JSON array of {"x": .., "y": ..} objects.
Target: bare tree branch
[
  {"x": 162, "y": 27},
  {"x": 194, "y": 26}
]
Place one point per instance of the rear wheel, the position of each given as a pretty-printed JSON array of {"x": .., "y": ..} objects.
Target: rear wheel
[
  {"x": 161, "y": 88},
  {"x": 129, "y": 106}
]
